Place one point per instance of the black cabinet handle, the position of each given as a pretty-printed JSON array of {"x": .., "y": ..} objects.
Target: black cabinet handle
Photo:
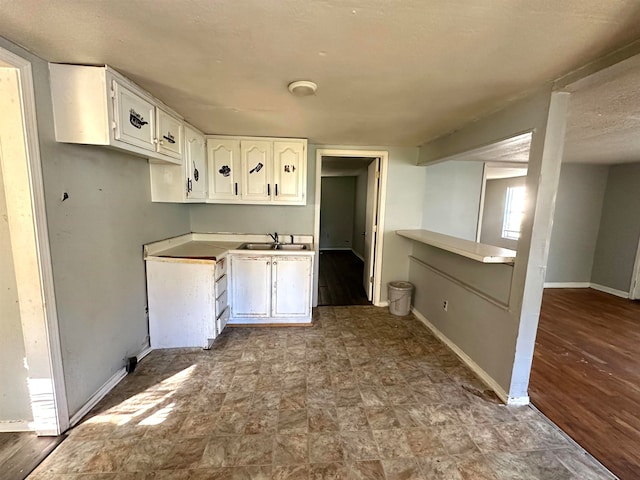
[
  {"x": 269, "y": 189},
  {"x": 276, "y": 189},
  {"x": 236, "y": 186}
]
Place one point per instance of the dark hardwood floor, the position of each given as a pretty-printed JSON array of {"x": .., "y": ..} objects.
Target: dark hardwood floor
[
  {"x": 340, "y": 279},
  {"x": 21, "y": 452},
  {"x": 586, "y": 373}
]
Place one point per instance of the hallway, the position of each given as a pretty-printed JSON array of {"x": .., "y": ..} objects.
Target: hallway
[
  {"x": 586, "y": 373},
  {"x": 340, "y": 279}
]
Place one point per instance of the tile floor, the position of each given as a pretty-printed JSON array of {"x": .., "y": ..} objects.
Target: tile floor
[{"x": 360, "y": 395}]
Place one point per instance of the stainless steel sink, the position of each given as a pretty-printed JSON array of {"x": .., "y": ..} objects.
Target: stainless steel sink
[
  {"x": 273, "y": 246},
  {"x": 257, "y": 246},
  {"x": 291, "y": 246}
]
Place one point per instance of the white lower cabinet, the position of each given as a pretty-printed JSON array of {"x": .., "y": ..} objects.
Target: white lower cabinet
[
  {"x": 187, "y": 303},
  {"x": 271, "y": 288}
]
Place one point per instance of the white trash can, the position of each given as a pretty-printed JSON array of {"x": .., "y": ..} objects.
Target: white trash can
[{"x": 399, "y": 298}]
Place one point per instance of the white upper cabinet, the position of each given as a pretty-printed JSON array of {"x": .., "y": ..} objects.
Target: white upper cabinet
[
  {"x": 289, "y": 171},
  {"x": 98, "y": 106},
  {"x": 195, "y": 165},
  {"x": 223, "y": 159},
  {"x": 169, "y": 134},
  {"x": 257, "y": 167},
  {"x": 135, "y": 118},
  {"x": 256, "y": 170}
]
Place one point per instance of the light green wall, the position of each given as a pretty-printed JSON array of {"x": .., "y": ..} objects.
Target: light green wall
[
  {"x": 96, "y": 239},
  {"x": 619, "y": 233},
  {"x": 506, "y": 355},
  {"x": 576, "y": 222},
  {"x": 337, "y": 212},
  {"x": 452, "y": 198}
]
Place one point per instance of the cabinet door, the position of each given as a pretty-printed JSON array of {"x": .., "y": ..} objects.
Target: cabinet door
[
  {"x": 291, "y": 286},
  {"x": 251, "y": 286},
  {"x": 134, "y": 117},
  {"x": 256, "y": 170},
  {"x": 169, "y": 135},
  {"x": 289, "y": 164},
  {"x": 223, "y": 159},
  {"x": 195, "y": 165}
]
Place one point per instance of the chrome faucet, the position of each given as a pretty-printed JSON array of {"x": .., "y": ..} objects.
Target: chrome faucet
[{"x": 274, "y": 236}]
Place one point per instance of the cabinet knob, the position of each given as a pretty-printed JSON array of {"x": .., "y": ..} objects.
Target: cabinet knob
[{"x": 275, "y": 263}]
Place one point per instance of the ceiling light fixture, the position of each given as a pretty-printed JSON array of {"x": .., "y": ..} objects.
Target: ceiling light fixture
[{"x": 303, "y": 88}]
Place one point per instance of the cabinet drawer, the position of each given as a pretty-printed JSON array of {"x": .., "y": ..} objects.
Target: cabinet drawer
[
  {"x": 221, "y": 302},
  {"x": 221, "y": 267},
  {"x": 222, "y": 320},
  {"x": 221, "y": 286}
]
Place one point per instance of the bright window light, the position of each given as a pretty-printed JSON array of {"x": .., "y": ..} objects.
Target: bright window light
[{"x": 513, "y": 212}]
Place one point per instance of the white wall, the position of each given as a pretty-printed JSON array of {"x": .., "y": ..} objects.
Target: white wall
[
  {"x": 452, "y": 198},
  {"x": 337, "y": 212},
  {"x": 96, "y": 239},
  {"x": 15, "y": 404}
]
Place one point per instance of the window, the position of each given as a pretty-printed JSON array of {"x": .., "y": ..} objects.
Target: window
[{"x": 513, "y": 211}]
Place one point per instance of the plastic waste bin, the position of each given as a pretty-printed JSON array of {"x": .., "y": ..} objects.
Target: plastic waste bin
[{"x": 400, "y": 298}]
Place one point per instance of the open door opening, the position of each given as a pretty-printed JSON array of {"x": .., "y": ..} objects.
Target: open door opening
[
  {"x": 349, "y": 212},
  {"x": 31, "y": 377}
]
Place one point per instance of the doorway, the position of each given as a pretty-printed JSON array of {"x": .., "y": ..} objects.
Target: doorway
[
  {"x": 349, "y": 219},
  {"x": 31, "y": 377}
]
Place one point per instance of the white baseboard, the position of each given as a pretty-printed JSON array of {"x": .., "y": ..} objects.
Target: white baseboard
[
  {"x": 595, "y": 286},
  {"x": 484, "y": 376},
  {"x": 612, "y": 291},
  {"x": 357, "y": 255},
  {"x": 104, "y": 390},
  {"x": 382, "y": 304},
  {"x": 336, "y": 248},
  {"x": 567, "y": 284},
  {"x": 16, "y": 426}
]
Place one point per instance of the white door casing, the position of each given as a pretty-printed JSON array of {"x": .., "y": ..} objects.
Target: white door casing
[
  {"x": 370, "y": 231},
  {"x": 32, "y": 256},
  {"x": 383, "y": 155},
  {"x": 634, "y": 291}
]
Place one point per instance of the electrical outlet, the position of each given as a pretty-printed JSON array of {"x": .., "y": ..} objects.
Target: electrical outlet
[{"x": 445, "y": 305}]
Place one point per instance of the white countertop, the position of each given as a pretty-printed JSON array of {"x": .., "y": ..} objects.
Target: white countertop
[
  {"x": 480, "y": 252},
  {"x": 199, "y": 247}
]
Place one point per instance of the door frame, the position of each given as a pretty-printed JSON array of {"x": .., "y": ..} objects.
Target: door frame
[
  {"x": 56, "y": 418},
  {"x": 383, "y": 155}
]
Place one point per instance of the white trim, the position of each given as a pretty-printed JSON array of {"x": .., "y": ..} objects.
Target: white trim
[
  {"x": 634, "y": 288},
  {"x": 567, "y": 284},
  {"x": 383, "y": 304},
  {"x": 382, "y": 196},
  {"x": 336, "y": 248},
  {"x": 357, "y": 254},
  {"x": 484, "y": 376},
  {"x": 105, "y": 389},
  {"x": 99, "y": 395},
  {"x": 16, "y": 426},
  {"x": 612, "y": 291},
  {"x": 42, "y": 235}
]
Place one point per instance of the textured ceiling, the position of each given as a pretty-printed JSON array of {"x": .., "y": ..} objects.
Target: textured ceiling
[
  {"x": 390, "y": 72},
  {"x": 603, "y": 125}
]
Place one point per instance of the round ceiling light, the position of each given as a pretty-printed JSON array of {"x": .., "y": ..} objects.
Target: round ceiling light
[{"x": 303, "y": 88}]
